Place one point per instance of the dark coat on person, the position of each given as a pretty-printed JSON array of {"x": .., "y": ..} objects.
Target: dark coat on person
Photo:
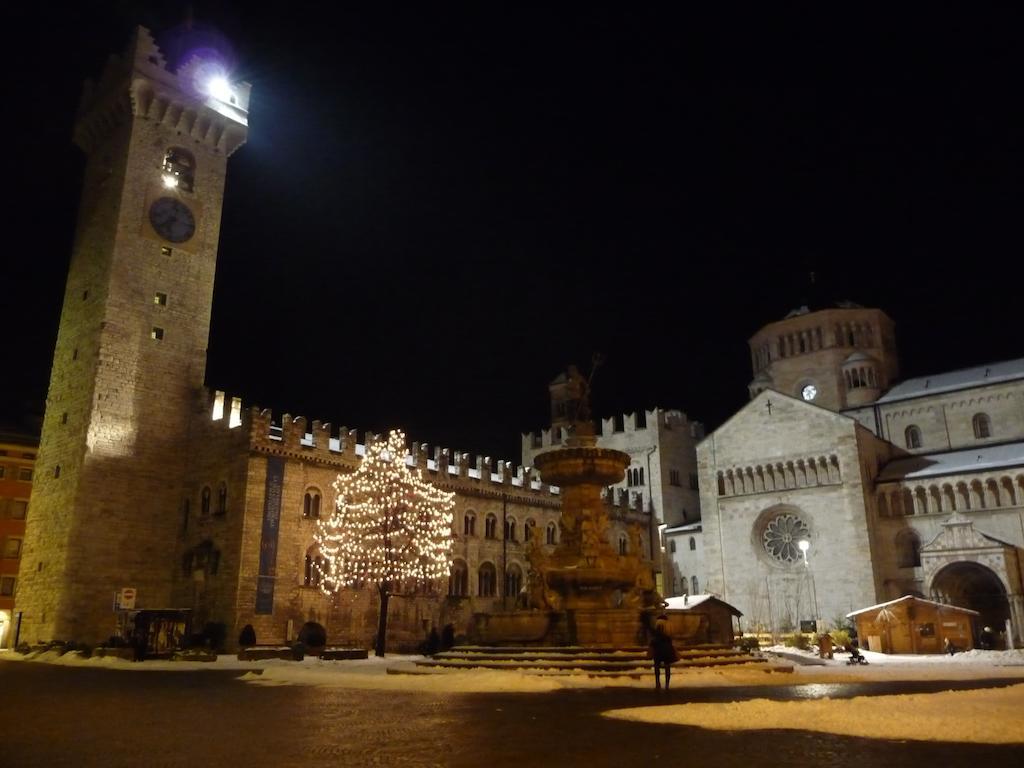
[{"x": 662, "y": 649}]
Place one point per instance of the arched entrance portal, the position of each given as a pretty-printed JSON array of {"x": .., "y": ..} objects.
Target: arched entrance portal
[{"x": 972, "y": 585}]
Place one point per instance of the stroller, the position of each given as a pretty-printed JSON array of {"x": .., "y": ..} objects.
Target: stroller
[{"x": 856, "y": 657}]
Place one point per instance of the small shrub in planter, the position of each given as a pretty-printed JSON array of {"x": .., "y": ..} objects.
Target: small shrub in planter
[
  {"x": 840, "y": 638},
  {"x": 798, "y": 641},
  {"x": 748, "y": 643},
  {"x": 247, "y": 637}
]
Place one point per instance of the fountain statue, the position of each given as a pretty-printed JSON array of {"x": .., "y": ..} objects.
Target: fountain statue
[{"x": 603, "y": 592}]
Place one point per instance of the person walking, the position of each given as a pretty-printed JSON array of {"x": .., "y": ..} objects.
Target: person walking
[{"x": 662, "y": 651}]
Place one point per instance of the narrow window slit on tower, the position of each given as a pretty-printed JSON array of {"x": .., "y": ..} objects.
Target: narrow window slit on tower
[
  {"x": 165, "y": 250},
  {"x": 160, "y": 299},
  {"x": 156, "y": 333}
]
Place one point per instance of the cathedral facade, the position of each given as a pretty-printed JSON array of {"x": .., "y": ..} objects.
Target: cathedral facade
[{"x": 838, "y": 486}]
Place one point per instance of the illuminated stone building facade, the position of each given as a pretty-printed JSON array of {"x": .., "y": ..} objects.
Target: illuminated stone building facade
[
  {"x": 145, "y": 479},
  {"x": 914, "y": 487},
  {"x": 17, "y": 465}
]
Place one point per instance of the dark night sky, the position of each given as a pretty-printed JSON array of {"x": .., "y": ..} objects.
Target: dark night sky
[{"x": 440, "y": 206}]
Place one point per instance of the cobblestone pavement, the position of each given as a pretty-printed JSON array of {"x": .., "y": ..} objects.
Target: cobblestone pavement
[{"x": 59, "y": 716}]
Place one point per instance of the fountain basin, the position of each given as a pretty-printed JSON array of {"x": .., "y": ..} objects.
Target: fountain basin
[{"x": 582, "y": 466}]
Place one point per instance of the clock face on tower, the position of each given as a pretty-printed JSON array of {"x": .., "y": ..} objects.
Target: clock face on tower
[
  {"x": 172, "y": 219},
  {"x": 809, "y": 392}
]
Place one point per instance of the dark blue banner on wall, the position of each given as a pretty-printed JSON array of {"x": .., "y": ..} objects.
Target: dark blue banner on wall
[{"x": 268, "y": 539}]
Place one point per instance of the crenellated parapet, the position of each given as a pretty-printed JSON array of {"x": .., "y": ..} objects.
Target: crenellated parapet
[
  {"x": 139, "y": 83},
  {"x": 637, "y": 422},
  {"x": 297, "y": 438}
]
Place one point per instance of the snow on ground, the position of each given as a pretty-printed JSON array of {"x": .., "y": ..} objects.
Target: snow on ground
[
  {"x": 372, "y": 673},
  {"x": 988, "y": 716}
]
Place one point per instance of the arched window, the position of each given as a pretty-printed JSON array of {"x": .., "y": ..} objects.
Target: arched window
[
  {"x": 316, "y": 568},
  {"x": 510, "y": 529},
  {"x": 222, "y": 499},
  {"x": 513, "y": 580},
  {"x": 469, "y": 523},
  {"x": 623, "y": 544},
  {"x": 179, "y": 169},
  {"x": 695, "y": 585},
  {"x": 458, "y": 581},
  {"x": 908, "y": 548},
  {"x": 205, "y": 507},
  {"x": 491, "y": 527},
  {"x": 982, "y": 426},
  {"x": 693, "y": 544},
  {"x": 550, "y": 534},
  {"x": 912, "y": 437},
  {"x": 528, "y": 531},
  {"x": 311, "y": 503},
  {"x": 486, "y": 580}
]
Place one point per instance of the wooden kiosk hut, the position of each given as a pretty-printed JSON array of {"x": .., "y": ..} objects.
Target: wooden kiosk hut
[{"x": 914, "y": 625}]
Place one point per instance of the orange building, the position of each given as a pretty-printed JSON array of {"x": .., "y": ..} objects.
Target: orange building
[{"x": 17, "y": 460}]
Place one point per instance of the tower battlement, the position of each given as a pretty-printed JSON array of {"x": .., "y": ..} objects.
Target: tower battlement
[
  {"x": 184, "y": 100},
  {"x": 633, "y": 422},
  {"x": 296, "y": 436}
]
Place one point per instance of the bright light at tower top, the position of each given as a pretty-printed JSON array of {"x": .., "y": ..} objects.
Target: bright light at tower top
[{"x": 219, "y": 87}]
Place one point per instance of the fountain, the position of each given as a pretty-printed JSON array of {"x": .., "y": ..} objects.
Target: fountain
[{"x": 584, "y": 592}]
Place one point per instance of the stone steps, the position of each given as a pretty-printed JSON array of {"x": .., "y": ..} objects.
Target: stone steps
[{"x": 602, "y": 662}]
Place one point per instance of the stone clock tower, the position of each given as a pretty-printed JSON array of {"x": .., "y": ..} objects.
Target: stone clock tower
[{"x": 131, "y": 348}]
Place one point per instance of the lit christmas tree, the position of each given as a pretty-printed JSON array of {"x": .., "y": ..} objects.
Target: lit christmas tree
[{"x": 389, "y": 528}]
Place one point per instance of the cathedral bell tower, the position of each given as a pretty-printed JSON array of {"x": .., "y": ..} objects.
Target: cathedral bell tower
[{"x": 130, "y": 356}]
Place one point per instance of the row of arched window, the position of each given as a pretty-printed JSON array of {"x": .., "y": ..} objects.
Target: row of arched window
[
  {"x": 981, "y": 424},
  {"x": 510, "y": 529},
  {"x": 811, "y": 340},
  {"x": 672, "y": 544},
  {"x": 634, "y": 476},
  {"x": 486, "y": 580},
  {"x": 989, "y": 493},
  {"x": 783, "y": 475},
  {"x": 798, "y": 343},
  {"x": 858, "y": 378}
]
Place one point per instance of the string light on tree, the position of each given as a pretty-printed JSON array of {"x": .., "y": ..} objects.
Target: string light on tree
[{"x": 389, "y": 528}]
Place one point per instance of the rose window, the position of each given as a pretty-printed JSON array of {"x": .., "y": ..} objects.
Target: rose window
[{"x": 782, "y": 535}]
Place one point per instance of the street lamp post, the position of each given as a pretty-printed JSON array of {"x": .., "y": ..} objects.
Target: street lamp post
[{"x": 805, "y": 545}]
